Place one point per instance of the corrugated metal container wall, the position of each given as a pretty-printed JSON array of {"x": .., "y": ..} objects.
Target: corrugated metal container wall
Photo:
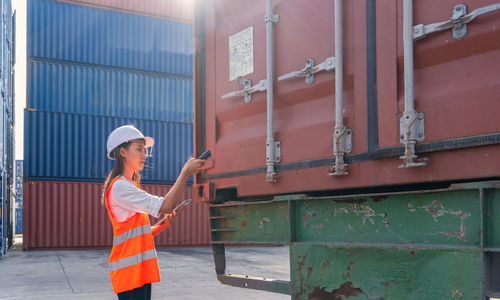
[
  {"x": 77, "y": 33},
  {"x": 70, "y": 215},
  {"x": 181, "y": 10},
  {"x": 110, "y": 92},
  {"x": 19, "y": 220},
  {"x": 192, "y": 226},
  {"x": 19, "y": 197},
  {"x": 91, "y": 70},
  {"x": 454, "y": 80},
  {"x": 67, "y": 147},
  {"x": 7, "y": 126}
]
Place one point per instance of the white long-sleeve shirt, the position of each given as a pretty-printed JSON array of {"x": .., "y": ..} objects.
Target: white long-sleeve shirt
[{"x": 125, "y": 199}]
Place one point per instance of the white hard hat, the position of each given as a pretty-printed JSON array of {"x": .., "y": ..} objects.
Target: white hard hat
[{"x": 124, "y": 134}]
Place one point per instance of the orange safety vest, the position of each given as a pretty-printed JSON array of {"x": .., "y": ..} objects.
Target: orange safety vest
[{"x": 133, "y": 261}]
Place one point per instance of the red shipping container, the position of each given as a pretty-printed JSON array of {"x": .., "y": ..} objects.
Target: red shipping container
[
  {"x": 180, "y": 10},
  {"x": 70, "y": 215},
  {"x": 456, "y": 84}
]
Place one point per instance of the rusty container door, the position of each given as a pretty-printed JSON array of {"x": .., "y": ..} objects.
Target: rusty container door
[
  {"x": 414, "y": 217},
  {"x": 455, "y": 87}
]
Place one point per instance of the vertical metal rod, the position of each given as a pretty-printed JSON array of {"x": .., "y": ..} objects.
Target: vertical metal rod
[
  {"x": 269, "y": 70},
  {"x": 408, "y": 54},
  {"x": 270, "y": 142},
  {"x": 340, "y": 136},
  {"x": 409, "y": 118},
  {"x": 339, "y": 66}
]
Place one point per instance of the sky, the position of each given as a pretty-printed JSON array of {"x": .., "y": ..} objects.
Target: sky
[{"x": 20, "y": 80}]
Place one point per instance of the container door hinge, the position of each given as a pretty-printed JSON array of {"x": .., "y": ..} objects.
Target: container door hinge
[
  {"x": 458, "y": 21},
  {"x": 272, "y": 18},
  {"x": 248, "y": 89},
  {"x": 273, "y": 156},
  {"x": 342, "y": 144},
  {"x": 310, "y": 70},
  {"x": 411, "y": 130}
]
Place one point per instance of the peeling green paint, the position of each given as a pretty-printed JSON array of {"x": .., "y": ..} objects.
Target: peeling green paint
[
  {"x": 424, "y": 245},
  {"x": 384, "y": 272}
]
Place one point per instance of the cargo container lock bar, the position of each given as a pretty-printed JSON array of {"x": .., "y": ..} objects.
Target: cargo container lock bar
[
  {"x": 310, "y": 70},
  {"x": 273, "y": 148},
  {"x": 458, "y": 21},
  {"x": 411, "y": 123},
  {"x": 342, "y": 137},
  {"x": 248, "y": 89}
]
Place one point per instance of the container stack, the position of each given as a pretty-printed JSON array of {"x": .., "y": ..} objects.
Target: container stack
[
  {"x": 94, "y": 66},
  {"x": 7, "y": 46},
  {"x": 19, "y": 198}
]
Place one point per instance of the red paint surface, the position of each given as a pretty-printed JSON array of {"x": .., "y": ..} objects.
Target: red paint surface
[
  {"x": 70, "y": 215},
  {"x": 457, "y": 86}
]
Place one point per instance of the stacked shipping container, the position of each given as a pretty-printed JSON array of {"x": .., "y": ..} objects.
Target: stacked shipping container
[
  {"x": 94, "y": 66},
  {"x": 7, "y": 62},
  {"x": 19, "y": 197}
]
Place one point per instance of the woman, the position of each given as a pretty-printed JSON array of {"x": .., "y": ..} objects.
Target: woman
[{"x": 133, "y": 261}]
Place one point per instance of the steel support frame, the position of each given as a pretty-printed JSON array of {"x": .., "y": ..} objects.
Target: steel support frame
[{"x": 335, "y": 240}]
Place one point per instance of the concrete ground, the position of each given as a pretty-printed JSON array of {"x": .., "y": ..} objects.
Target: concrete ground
[{"x": 187, "y": 273}]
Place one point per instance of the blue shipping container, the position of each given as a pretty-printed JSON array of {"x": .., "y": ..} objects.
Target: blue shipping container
[
  {"x": 109, "y": 92},
  {"x": 6, "y": 124},
  {"x": 19, "y": 197},
  {"x": 70, "y": 147},
  {"x": 19, "y": 180},
  {"x": 70, "y": 32},
  {"x": 19, "y": 220}
]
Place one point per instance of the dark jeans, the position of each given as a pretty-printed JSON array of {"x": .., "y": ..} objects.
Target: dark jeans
[{"x": 140, "y": 293}]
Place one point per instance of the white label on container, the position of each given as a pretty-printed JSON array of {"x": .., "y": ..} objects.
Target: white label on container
[{"x": 241, "y": 53}]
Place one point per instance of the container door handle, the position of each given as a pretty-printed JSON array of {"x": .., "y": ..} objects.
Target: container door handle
[
  {"x": 458, "y": 21},
  {"x": 248, "y": 89},
  {"x": 310, "y": 70}
]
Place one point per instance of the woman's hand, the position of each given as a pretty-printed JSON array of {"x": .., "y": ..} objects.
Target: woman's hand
[
  {"x": 170, "y": 218},
  {"x": 193, "y": 166}
]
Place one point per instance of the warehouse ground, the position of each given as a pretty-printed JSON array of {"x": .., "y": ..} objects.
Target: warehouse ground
[{"x": 187, "y": 273}]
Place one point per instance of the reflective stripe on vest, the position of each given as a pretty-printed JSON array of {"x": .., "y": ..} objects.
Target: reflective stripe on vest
[
  {"x": 132, "y": 233},
  {"x": 132, "y": 260}
]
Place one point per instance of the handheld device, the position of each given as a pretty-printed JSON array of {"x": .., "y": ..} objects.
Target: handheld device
[
  {"x": 205, "y": 154},
  {"x": 185, "y": 202}
]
